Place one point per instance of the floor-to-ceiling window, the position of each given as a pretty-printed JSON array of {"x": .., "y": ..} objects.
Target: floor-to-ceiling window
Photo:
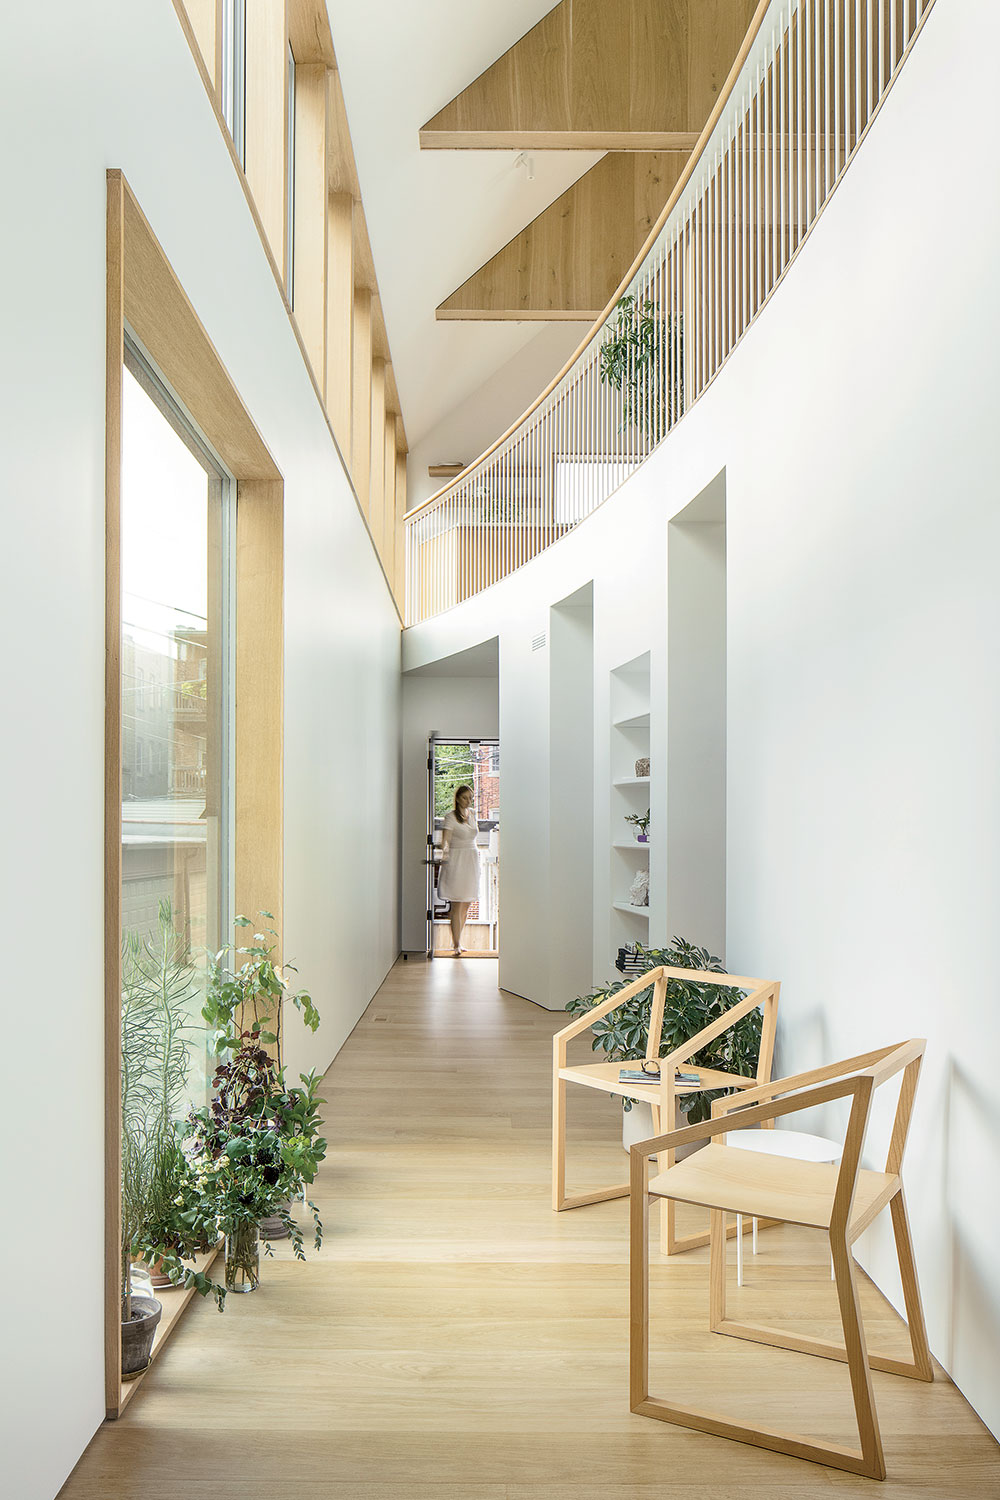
[{"x": 177, "y": 597}]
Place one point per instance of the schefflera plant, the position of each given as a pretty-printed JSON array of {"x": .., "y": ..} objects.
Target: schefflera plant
[{"x": 622, "y": 1034}]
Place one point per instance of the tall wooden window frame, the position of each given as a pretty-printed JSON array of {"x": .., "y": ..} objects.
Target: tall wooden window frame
[{"x": 144, "y": 293}]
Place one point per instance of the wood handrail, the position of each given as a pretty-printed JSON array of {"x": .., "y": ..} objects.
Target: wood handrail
[{"x": 668, "y": 208}]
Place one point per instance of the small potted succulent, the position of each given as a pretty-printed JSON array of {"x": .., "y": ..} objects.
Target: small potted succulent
[{"x": 640, "y": 822}]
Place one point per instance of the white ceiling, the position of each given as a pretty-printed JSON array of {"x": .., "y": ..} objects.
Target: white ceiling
[{"x": 434, "y": 217}]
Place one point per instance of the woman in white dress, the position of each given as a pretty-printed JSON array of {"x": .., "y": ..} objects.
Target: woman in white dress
[{"x": 459, "y": 878}]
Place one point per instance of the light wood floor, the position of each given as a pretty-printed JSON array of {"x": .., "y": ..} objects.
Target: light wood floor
[{"x": 457, "y": 1340}]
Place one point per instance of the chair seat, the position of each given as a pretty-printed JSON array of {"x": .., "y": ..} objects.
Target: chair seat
[{"x": 770, "y": 1187}]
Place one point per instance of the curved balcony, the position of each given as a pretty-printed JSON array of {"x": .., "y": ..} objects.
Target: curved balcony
[{"x": 801, "y": 94}]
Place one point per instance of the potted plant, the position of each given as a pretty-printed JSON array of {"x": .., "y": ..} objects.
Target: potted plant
[
  {"x": 622, "y": 1034},
  {"x": 254, "y": 992},
  {"x": 158, "y": 990},
  {"x": 257, "y": 1144},
  {"x": 640, "y": 822},
  {"x": 642, "y": 356}
]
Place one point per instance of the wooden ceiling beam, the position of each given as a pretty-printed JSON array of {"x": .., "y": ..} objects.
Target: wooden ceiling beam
[
  {"x": 558, "y": 140},
  {"x": 564, "y": 266},
  {"x": 623, "y": 75}
]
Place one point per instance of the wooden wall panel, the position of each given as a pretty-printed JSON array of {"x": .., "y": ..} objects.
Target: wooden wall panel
[
  {"x": 311, "y": 218},
  {"x": 259, "y": 697},
  {"x": 399, "y": 573},
  {"x": 340, "y": 316},
  {"x": 361, "y": 404},
  {"x": 631, "y": 75},
  {"x": 205, "y": 17},
  {"x": 376, "y": 473},
  {"x": 267, "y": 120},
  {"x": 389, "y": 496},
  {"x": 309, "y": 32},
  {"x": 567, "y": 263}
]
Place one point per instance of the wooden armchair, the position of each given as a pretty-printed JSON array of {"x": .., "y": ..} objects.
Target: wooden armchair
[
  {"x": 663, "y": 1095},
  {"x": 842, "y": 1199}
]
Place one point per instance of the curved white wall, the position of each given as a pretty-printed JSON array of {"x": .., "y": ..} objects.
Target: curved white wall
[
  {"x": 854, "y": 428},
  {"x": 85, "y": 88}
]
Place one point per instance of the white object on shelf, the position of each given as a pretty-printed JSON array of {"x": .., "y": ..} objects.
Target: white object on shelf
[{"x": 795, "y": 1145}]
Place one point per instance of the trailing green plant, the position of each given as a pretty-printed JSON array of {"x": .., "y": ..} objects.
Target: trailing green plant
[
  {"x": 623, "y": 1034},
  {"x": 159, "y": 988},
  {"x": 642, "y": 356}
]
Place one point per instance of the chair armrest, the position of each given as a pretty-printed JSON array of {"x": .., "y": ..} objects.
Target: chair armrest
[
  {"x": 822, "y": 1094},
  {"x": 644, "y": 982},
  {"x": 799, "y": 1080}
]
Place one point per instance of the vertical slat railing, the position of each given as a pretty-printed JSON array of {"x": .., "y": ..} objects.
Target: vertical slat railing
[{"x": 810, "y": 81}]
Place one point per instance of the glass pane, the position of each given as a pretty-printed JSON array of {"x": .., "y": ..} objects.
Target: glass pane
[
  {"x": 476, "y": 764},
  {"x": 174, "y": 824}
]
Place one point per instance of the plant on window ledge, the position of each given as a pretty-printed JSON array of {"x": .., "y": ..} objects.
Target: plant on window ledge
[
  {"x": 642, "y": 356},
  {"x": 159, "y": 989},
  {"x": 257, "y": 1144},
  {"x": 622, "y": 1034}
]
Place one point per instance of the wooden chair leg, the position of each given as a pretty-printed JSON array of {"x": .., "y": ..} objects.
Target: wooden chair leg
[
  {"x": 868, "y": 1461},
  {"x": 560, "y": 1198},
  {"x": 922, "y": 1366},
  {"x": 857, "y": 1357},
  {"x": 558, "y": 1143},
  {"x": 717, "y": 1269},
  {"x": 638, "y": 1347}
]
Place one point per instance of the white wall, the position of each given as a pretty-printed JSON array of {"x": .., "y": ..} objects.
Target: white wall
[
  {"x": 571, "y": 796},
  {"x": 121, "y": 90},
  {"x": 696, "y": 722},
  {"x": 473, "y": 423},
  {"x": 467, "y": 708},
  {"x": 854, "y": 425}
]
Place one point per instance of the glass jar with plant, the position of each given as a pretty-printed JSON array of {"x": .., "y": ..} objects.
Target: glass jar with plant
[
  {"x": 640, "y": 822},
  {"x": 622, "y": 1034},
  {"x": 642, "y": 356}
]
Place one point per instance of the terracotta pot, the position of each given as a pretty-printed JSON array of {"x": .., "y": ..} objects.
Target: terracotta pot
[
  {"x": 137, "y": 1336},
  {"x": 157, "y": 1275}
]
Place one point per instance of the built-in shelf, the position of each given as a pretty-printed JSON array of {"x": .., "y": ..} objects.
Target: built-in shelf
[{"x": 629, "y": 743}]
